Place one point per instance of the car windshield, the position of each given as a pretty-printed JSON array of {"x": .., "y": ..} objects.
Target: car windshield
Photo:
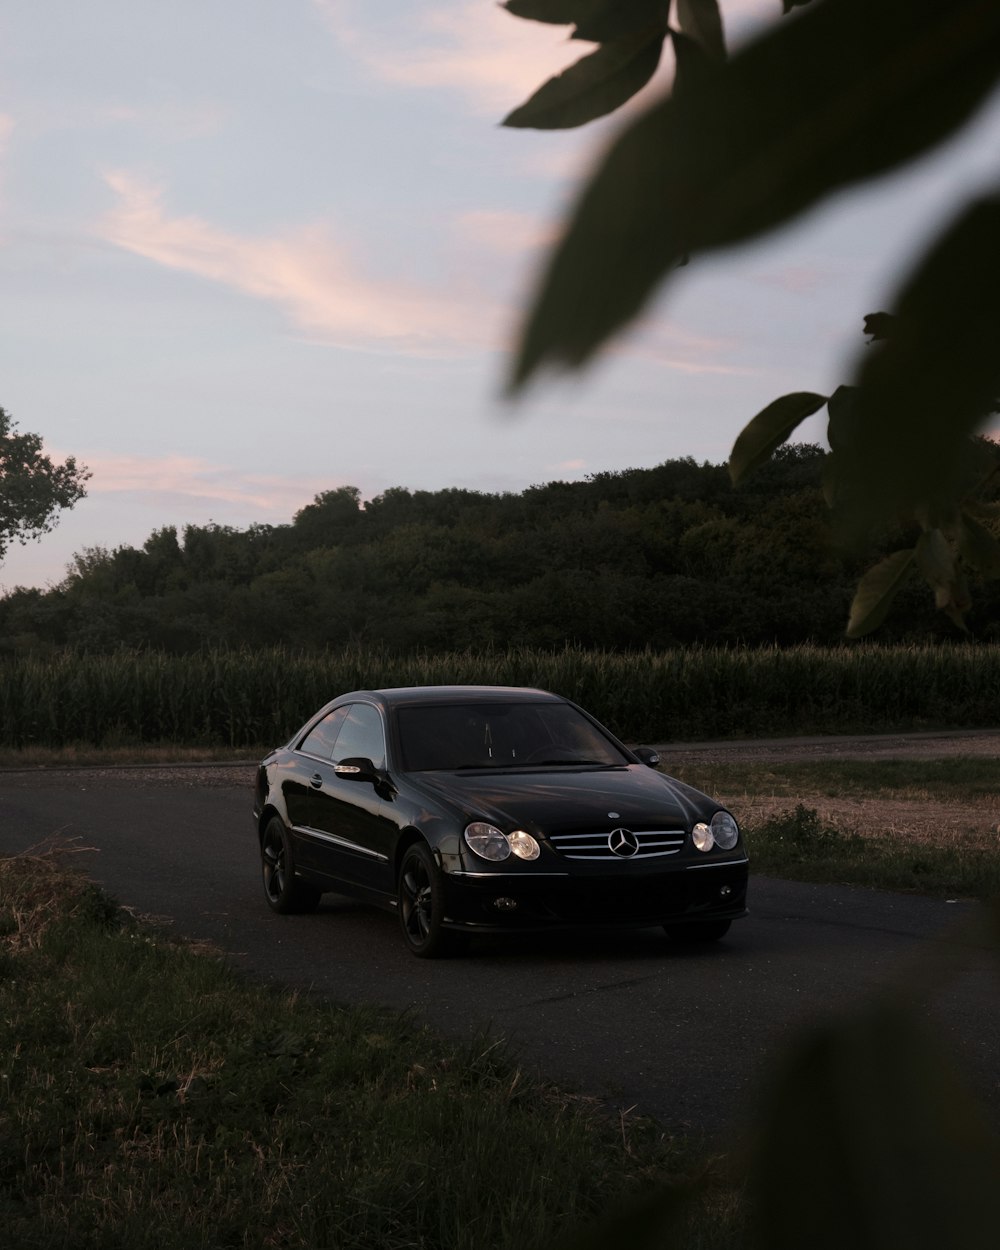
[{"x": 496, "y": 735}]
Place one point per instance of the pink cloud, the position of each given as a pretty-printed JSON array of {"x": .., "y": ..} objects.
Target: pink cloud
[
  {"x": 191, "y": 478},
  {"x": 312, "y": 276},
  {"x": 479, "y": 49}
]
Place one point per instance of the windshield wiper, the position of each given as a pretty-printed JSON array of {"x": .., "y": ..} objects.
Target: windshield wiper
[{"x": 564, "y": 763}]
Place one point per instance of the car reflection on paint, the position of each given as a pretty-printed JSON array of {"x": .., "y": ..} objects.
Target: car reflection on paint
[{"x": 489, "y": 809}]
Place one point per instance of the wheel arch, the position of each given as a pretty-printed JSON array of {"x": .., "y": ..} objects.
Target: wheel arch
[
  {"x": 267, "y": 812},
  {"x": 407, "y": 837}
]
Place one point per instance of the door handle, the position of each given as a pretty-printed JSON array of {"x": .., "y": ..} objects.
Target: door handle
[{"x": 315, "y": 781}]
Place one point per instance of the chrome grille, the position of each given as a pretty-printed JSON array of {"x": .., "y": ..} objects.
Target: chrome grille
[{"x": 593, "y": 844}]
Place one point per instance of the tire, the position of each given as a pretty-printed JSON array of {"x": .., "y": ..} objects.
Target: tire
[
  {"x": 704, "y": 931},
  {"x": 283, "y": 891},
  {"x": 420, "y": 896}
]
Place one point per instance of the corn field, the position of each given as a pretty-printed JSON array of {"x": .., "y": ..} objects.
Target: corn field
[{"x": 256, "y": 699}]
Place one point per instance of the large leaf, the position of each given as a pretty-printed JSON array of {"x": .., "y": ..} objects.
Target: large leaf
[
  {"x": 936, "y": 562},
  {"x": 978, "y": 548},
  {"x": 848, "y": 89},
  {"x": 935, "y": 378},
  {"x": 870, "y": 1140},
  {"x": 876, "y": 591},
  {"x": 702, "y": 21},
  {"x": 769, "y": 429},
  {"x": 596, "y": 20},
  {"x": 595, "y": 85}
]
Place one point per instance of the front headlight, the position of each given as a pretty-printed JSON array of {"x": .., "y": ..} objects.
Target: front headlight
[
  {"x": 702, "y": 836},
  {"x": 524, "y": 845},
  {"x": 725, "y": 830},
  {"x": 487, "y": 841}
]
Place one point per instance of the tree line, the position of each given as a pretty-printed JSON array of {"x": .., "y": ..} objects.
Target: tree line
[{"x": 660, "y": 557}]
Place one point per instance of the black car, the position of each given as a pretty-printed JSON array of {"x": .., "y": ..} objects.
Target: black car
[{"x": 486, "y": 809}]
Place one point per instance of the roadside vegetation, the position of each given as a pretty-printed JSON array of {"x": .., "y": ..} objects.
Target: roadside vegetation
[
  {"x": 153, "y": 1098},
  {"x": 930, "y": 826},
  {"x": 253, "y": 700}
]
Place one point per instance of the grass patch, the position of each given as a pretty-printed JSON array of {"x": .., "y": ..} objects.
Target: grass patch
[
  {"x": 82, "y": 754},
  {"x": 962, "y": 778},
  {"x": 929, "y": 826},
  {"x": 154, "y": 1098},
  {"x": 796, "y": 843}
]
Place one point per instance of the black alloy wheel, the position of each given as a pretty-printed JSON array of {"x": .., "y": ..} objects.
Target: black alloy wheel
[
  {"x": 420, "y": 893},
  {"x": 284, "y": 893}
]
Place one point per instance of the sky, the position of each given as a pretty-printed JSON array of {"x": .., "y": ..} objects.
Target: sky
[{"x": 252, "y": 250}]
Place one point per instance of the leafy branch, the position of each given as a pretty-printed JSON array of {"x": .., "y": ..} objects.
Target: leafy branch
[{"x": 743, "y": 145}]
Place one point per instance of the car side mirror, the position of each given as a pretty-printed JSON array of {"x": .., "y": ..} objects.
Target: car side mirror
[
  {"x": 357, "y": 768},
  {"x": 647, "y": 756}
]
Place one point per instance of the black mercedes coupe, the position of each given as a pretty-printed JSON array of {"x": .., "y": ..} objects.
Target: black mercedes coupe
[{"x": 487, "y": 809}]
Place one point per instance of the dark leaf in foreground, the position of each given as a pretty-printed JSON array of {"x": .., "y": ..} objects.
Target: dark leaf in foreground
[
  {"x": 750, "y": 143},
  {"x": 876, "y": 591},
  {"x": 596, "y": 20},
  {"x": 597, "y": 84},
  {"x": 702, "y": 21},
  {"x": 932, "y": 383},
  {"x": 856, "y": 1116},
  {"x": 769, "y": 429}
]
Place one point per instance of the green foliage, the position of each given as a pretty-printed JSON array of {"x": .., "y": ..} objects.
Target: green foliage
[
  {"x": 32, "y": 488},
  {"x": 746, "y": 144},
  {"x": 660, "y": 557},
  {"x": 255, "y": 699}
]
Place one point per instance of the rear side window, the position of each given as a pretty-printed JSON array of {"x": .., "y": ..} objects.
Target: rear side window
[{"x": 320, "y": 739}]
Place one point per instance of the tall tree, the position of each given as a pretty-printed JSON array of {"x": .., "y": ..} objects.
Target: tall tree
[{"x": 32, "y": 489}]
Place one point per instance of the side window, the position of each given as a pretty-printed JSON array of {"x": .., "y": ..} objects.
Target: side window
[
  {"x": 320, "y": 739},
  {"x": 362, "y": 735}
]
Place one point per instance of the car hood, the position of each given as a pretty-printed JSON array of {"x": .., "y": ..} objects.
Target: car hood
[{"x": 550, "y": 800}]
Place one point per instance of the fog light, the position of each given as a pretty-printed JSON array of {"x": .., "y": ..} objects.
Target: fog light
[
  {"x": 505, "y": 904},
  {"x": 725, "y": 891}
]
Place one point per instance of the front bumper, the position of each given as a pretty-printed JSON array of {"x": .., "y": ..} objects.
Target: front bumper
[{"x": 500, "y": 902}]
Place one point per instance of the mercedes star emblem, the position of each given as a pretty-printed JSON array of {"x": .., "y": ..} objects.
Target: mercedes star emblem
[{"x": 623, "y": 842}]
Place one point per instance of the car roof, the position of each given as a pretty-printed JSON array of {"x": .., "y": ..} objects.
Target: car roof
[{"x": 399, "y": 696}]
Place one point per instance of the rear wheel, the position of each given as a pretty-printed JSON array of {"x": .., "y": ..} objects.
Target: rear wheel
[
  {"x": 703, "y": 931},
  {"x": 283, "y": 891},
  {"x": 420, "y": 895}
]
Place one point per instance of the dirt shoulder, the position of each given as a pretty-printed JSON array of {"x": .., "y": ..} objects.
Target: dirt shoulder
[
  {"x": 941, "y": 744},
  {"x": 917, "y": 815}
]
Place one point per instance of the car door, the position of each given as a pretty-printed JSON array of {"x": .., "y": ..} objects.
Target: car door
[
  {"x": 351, "y": 831},
  {"x": 298, "y": 779}
]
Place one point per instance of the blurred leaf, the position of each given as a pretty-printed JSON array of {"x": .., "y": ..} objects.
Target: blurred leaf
[
  {"x": 596, "y": 20},
  {"x": 870, "y": 1140},
  {"x": 769, "y": 429},
  {"x": 643, "y": 1224},
  {"x": 595, "y": 85},
  {"x": 936, "y": 561},
  {"x": 876, "y": 591},
  {"x": 978, "y": 548},
  {"x": 932, "y": 383},
  {"x": 702, "y": 21},
  {"x": 879, "y": 325},
  {"x": 752, "y": 142}
]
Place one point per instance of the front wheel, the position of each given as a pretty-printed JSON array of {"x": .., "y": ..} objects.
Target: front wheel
[
  {"x": 705, "y": 931},
  {"x": 420, "y": 896},
  {"x": 284, "y": 893}
]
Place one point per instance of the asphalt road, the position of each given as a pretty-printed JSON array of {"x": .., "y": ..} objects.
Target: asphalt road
[{"x": 683, "y": 1035}]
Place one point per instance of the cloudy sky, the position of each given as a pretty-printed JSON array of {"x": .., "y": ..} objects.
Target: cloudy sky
[{"x": 251, "y": 250}]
